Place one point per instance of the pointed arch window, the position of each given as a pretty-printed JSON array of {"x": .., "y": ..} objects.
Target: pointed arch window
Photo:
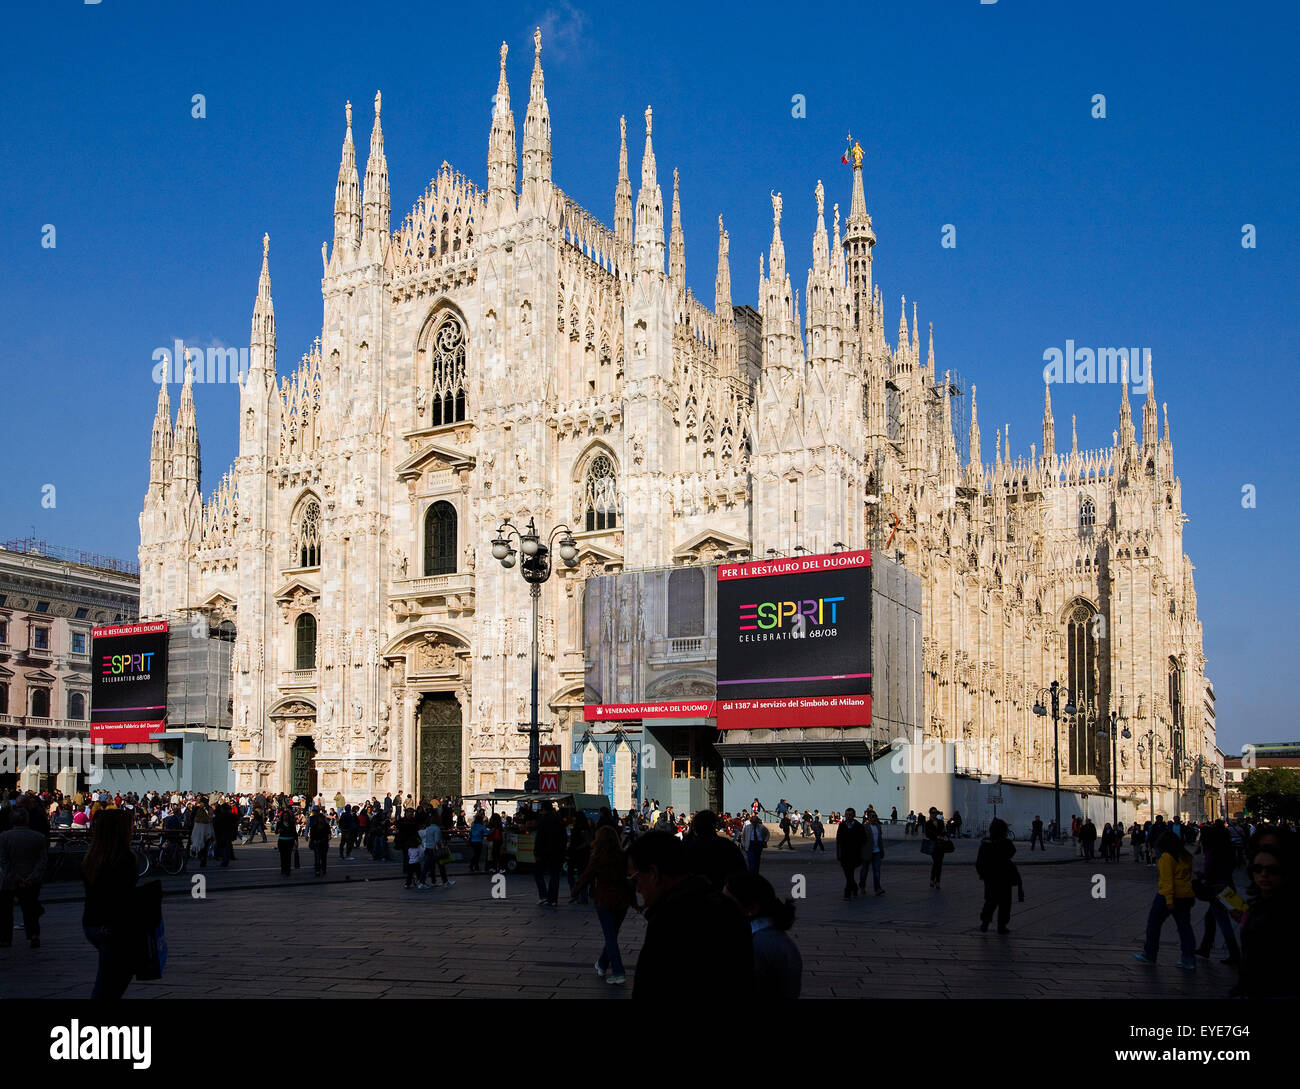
[
  {"x": 1082, "y": 665},
  {"x": 1087, "y": 516},
  {"x": 686, "y": 603},
  {"x": 309, "y": 536},
  {"x": 600, "y": 495},
  {"x": 447, "y": 389},
  {"x": 304, "y": 642},
  {"x": 440, "y": 539}
]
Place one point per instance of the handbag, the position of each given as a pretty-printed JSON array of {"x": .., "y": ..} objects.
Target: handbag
[
  {"x": 927, "y": 847},
  {"x": 947, "y": 846}
]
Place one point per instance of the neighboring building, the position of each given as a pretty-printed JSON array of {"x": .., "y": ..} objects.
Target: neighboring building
[
  {"x": 50, "y": 599},
  {"x": 504, "y": 353},
  {"x": 1267, "y": 754}
]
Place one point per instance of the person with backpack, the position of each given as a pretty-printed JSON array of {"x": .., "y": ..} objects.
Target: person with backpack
[
  {"x": 785, "y": 831},
  {"x": 752, "y": 841},
  {"x": 936, "y": 845},
  {"x": 318, "y": 839}
]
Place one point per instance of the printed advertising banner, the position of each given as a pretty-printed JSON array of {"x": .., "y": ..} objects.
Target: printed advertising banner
[
  {"x": 128, "y": 688},
  {"x": 794, "y": 642}
]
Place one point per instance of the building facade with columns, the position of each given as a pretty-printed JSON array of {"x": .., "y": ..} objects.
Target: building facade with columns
[{"x": 504, "y": 353}]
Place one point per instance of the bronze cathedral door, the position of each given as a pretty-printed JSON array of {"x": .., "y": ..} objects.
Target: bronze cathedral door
[{"x": 439, "y": 768}]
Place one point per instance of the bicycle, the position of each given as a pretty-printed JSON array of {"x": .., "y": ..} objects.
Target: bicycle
[{"x": 167, "y": 853}]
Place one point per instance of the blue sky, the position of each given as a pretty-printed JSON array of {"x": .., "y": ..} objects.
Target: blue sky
[{"x": 1122, "y": 231}]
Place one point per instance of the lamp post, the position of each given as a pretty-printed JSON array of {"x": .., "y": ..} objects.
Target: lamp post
[
  {"x": 1151, "y": 748},
  {"x": 536, "y": 569},
  {"x": 1054, "y": 690},
  {"x": 1114, "y": 734}
]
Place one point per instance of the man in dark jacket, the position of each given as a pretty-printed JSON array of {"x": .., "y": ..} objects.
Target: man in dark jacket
[
  {"x": 994, "y": 867},
  {"x": 709, "y": 854},
  {"x": 225, "y": 827},
  {"x": 23, "y": 855},
  {"x": 850, "y": 839},
  {"x": 697, "y": 941},
  {"x": 548, "y": 850}
]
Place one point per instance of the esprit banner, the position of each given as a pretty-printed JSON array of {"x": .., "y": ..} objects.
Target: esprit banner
[
  {"x": 794, "y": 642},
  {"x": 128, "y": 687}
]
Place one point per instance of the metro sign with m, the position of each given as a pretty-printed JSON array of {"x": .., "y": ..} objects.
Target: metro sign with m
[{"x": 549, "y": 782}]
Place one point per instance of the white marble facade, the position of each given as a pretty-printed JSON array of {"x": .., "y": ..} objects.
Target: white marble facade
[{"x": 503, "y": 353}]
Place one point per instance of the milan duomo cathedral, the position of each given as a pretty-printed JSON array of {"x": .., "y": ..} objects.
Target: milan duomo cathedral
[{"x": 505, "y": 354}]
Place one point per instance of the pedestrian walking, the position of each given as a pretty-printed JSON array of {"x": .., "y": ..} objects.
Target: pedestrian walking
[
  {"x": 286, "y": 840},
  {"x": 1174, "y": 896},
  {"x": 778, "y": 966},
  {"x": 406, "y": 842},
  {"x": 605, "y": 878},
  {"x": 850, "y": 843},
  {"x": 318, "y": 839},
  {"x": 753, "y": 840},
  {"x": 23, "y": 853},
  {"x": 696, "y": 940},
  {"x": 434, "y": 852},
  {"x": 477, "y": 834},
  {"x": 873, "y": 853},
  {"x": 818, "y": 830},
  {"x": 579, "y": 850},
  {"x": 110, "y": 873},
  {"x": 936, "y": 845},
  {"x": 1218, "y": 874},
  {"x": 785, "y": 832},
  {"x": 548, "y": 850},
  {"x": 994, "y": 867},
  {"x": 1036, "y": 834}
]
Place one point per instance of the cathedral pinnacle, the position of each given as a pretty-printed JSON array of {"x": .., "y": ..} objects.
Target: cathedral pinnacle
[
  {"x": 537, "y": 130},
  {"x": 649, "y": 234},
  {"x": 262, "y": 338},
  {"x": 502, "y": 163},
  {"x": 623, "y": 197},
  {"x": 677, "y": 242},
  {"x": 376, "y": 203},
  {"x": 347, "y": 195}
]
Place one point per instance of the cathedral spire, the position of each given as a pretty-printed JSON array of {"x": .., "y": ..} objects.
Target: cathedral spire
[
  {"x": 502, "y": 163},
  {"x": 347, "y": 196},
  {"x": 1049, "y": 425},
  {"x": 904, "y": 349},
  {"x": 859, "y": 239},
  {"x": 377, "y": 207},
  {"x": 649, "y": 235},
  {"x": 821, "y": 248},
  {"x": 974, "y": 465},
  {"x": 722, "y": 309},
  {"x": 776, "y": 252},
  {"x": 1127, "y": 436},
  {"x": 537, "y": 131},
  {"x": 677, "y": 244},
  {"x": 160, "y": 451},
  {"x": 1074, "y": 436},
  {"x": 837, "y": 251},
  {"x": 261, "y": 339},
  {"x": 929, "y": 358},
  {"x": 623, "y": 197},
  {"x": 916, "y": 339},
  {"x": 1150, "y": 435},
  {"x": 185, "y": 441}
]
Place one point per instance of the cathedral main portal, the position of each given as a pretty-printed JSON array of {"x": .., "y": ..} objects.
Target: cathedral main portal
[{"x": 439, "y": 768}]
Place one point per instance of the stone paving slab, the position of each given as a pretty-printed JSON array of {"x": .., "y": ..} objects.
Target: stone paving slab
[{"x": 260, "y": 935}]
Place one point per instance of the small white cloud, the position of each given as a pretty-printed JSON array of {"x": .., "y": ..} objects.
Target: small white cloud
[{"x": 563, "y": 28}]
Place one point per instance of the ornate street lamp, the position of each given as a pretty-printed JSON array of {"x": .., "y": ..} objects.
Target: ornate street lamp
[
  {"x": 536, "y": 569},
  {"x": 1114, "y": 733},
  {"x": 1151, "y": 748},
  {"x": 1054, "y": 691}
]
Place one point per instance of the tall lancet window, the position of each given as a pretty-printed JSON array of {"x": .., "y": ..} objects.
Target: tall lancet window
[
  {"x": 440, "y": 539},
  {"x": 1087, "y": 516},
  {"x": 309, "y": 536},
  {"x": 600, "y": 495},
  {"x": 447, "y": 389},
  {"x": 1081, "y": 663},
  {"x": 304, "y": 642}
]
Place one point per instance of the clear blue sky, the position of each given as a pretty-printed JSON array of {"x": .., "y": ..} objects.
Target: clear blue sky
[{"x": 1123, "y": 231}]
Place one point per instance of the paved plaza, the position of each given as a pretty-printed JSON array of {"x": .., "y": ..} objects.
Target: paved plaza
[{"x": 358, "y": 932}]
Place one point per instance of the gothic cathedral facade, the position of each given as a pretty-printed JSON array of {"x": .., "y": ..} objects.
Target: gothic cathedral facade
[{"x": 504, "y": 354}]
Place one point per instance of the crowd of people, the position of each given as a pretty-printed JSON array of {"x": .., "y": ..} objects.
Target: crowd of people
[{"x": 711, "y": 915}]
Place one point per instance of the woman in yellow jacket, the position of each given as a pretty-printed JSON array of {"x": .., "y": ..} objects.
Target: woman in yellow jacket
[{"x": 1174, "y": 897}]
